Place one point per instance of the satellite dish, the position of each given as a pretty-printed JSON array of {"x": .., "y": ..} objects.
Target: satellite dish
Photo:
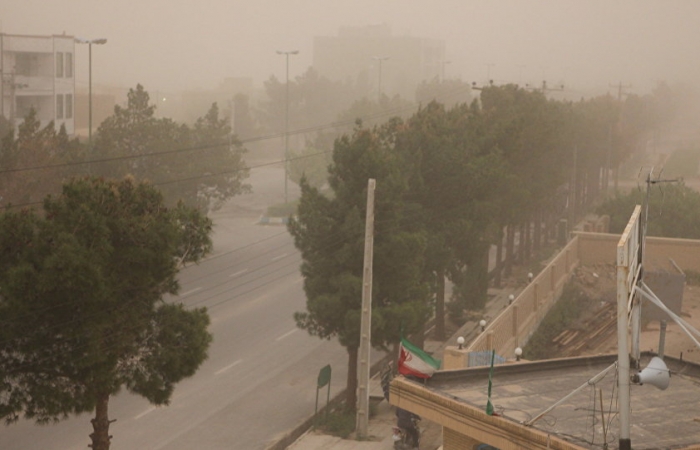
[{"x": 656, "y": 374}]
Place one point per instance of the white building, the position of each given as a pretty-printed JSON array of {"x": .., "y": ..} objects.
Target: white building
[{"x": 38, "y": 72}]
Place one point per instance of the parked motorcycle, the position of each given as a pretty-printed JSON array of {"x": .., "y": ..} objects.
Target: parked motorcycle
[
  {"x": 403, "y": 438},
  {"x": 387, "y": 375}
]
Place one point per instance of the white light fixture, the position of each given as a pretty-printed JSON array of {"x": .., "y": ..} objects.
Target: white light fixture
[{"x": 460, "y": 342}]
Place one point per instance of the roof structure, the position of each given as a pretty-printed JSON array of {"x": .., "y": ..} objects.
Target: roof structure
[{"x": 667, "y": 419}]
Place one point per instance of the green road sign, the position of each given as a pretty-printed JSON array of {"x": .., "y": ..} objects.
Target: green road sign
[{"x": 324, "y": 376}]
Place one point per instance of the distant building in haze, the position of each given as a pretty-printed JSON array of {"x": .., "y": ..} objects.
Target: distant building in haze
[
  {"x": 373, "y": 58},
  {"x": 38, "y": 72}
]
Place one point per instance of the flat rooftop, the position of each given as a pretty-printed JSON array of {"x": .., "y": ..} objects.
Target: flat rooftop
[{"x": 667, "y": 419}]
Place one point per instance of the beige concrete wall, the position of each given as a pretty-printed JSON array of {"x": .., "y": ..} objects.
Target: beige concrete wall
[
  {"x": 685, "y": 253},
  {"x": 597, "y": 248},
  {"x": 465, "y": 423},
  {"x": 514, "y": 326}
]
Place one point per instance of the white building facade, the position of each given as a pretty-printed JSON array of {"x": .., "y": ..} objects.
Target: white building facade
[{"x": 38, "y": 72}]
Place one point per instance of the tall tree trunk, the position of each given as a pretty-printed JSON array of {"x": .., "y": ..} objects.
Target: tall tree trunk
[
  {"x": 510, "y": 244},
  {"x": 351, "y": 385},
  {"x": 498, "y": 265},
  {"x": 527, "y": 243},
  {"x": 440, "y": 305},
  {"x": 537, "y": 233},
  {"x": 100, "y": 424}
]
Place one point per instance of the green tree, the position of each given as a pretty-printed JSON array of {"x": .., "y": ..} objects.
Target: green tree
[
  {"x": 674, "y": 210},
  {"x": 455, "y": 181},
  {"x": 81, "y": 301},
  {"x": 33, "y": 161},
  {"x": 329, "y": 232},
  {"x": 527, "y": 130},
  {"x": 202, "y": 166},
  {"x": 447, "y": 92},
  {"x": 312, "y": 161}
]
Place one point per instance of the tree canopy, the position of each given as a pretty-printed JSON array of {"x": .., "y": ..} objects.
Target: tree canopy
[
  {"x": 201, "y": 165},
  {"x": 450, "y": 181},
  {"x": 329, "y": 232},
  {"x": 46, "y": 149},
  {"x": 81, "y": 301},
  {"x": 674, "y": 210}
]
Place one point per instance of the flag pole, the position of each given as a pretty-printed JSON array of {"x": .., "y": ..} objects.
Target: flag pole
[{"x": 489, "y": 406}]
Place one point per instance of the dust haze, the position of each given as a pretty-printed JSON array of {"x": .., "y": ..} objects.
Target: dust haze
[{"x": 175, "y": 44}]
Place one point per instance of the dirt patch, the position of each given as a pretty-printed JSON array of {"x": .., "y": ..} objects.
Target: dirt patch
[{"x": 595, "y": 332}]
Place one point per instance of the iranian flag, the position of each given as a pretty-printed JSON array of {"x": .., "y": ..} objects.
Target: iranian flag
[{"x": 414, "y": 361}]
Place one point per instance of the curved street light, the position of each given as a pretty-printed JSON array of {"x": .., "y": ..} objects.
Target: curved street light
[
  {"x": 286, "y": 119},
  {"x": 379, "y": 83},
  {"x": 99, "y": 41}
]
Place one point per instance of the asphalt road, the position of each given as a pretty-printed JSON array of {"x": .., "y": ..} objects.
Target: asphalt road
[{"x": 260, "y": 379}]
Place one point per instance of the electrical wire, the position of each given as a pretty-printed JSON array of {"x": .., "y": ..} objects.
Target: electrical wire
[
  {"x": 417, "y": 214},
  {"x": 336, "y": 124},
  {"x": 229, "y": 300}
]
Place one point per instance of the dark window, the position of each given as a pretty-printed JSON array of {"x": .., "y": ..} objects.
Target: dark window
[
  {"x": 69, "y": 106},
  {"x": 59, "y": 65},
  {"x": 59, "y": 106},
  {"x": 27, "y": 64},
  {"x": 69, "y": 65}
]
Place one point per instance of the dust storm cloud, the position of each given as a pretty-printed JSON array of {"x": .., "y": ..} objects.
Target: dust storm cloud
[{"x": 177, "y": 44}]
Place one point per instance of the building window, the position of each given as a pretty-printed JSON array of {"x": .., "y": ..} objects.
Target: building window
[
  {"x": 69, "y": 106},
  {"x": 27, "y": 64},
  {"x": 59, "y": 106},
  {"x": 69, "y": 65},
  {"x": 59, "y": 65}
]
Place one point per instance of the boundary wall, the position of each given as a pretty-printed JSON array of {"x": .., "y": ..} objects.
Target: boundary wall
[{"x": 519, "y": 320}]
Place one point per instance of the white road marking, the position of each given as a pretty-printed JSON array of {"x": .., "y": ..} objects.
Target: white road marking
[
  {"x": 145, "y": 412},
  {"x": 192, "y": 291},
  {"x": 240, "y": 272},
  {"x": 235, "y": 363},
  {"x": 286, "y": 334},
  {"x": 277, "y": 258}
]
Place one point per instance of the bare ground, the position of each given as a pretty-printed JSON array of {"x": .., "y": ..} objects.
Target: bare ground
[{"x": 596, "y": 332}]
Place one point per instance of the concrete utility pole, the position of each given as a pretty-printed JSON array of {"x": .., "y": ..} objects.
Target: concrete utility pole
[
  {"x": 366, "y": 314},
  {"x": 379, "y": 82},
  {"x": 286, "y": 120},
  {"x": 89, "y": 42}
]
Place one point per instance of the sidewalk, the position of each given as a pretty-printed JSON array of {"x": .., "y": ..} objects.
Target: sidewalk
[
  {"x": 380, "y": 425},
  {"x": 379, "y": 430}
]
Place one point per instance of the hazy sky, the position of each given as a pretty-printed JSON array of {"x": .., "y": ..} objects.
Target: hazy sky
[{"x": 185, "y": 44}]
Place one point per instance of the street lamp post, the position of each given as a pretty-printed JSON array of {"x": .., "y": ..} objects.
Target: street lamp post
[
  {"x": 89, "y": 42},
  {"x": 444, "y": 63},
  {"x": 286, "y": 119},
  {"x": 379, "y": 83}
]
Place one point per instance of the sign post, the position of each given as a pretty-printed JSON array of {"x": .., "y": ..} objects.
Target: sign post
[{"x": 324, "y": 378}]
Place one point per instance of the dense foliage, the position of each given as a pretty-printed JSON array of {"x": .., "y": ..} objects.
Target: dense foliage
[
  {"x": 451, "y": 183},
  {"x": 200, "y": 165},
  {"x": 81, "y": 301},
  {"x": 673, "y": 210}
]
